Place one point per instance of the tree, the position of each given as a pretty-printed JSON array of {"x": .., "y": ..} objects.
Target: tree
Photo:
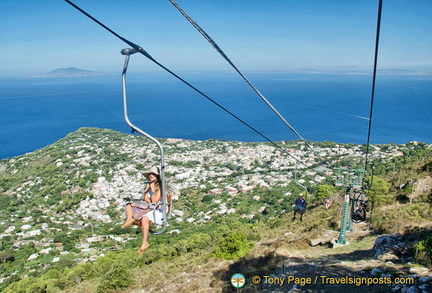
[
  {"x": 6, "y": 256},
  {"x": 20, "y": 286},
  {"x": 424, "y": 249},
  {"x": 378, "y": 192},
  {"x": 324, "y": 191},
  {"x": 234, "y": 246},
  {"x": 77, "y": 274},
  {"x": 117, "y": 278},
  {"x": 51, "y": 274},
  {"x": 104, "y": 264}
]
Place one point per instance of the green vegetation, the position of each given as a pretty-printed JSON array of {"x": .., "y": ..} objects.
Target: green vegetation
[
  {"x": 233, "y": 246},
  {"x": 424, "y": 250},
  {"x": 324, "y": 191},
  {"x": 117, "y": 277},
  {"x": 62, "y": 228}
]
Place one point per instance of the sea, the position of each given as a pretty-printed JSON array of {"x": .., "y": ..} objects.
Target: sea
[{"x": 36, "y": 112}]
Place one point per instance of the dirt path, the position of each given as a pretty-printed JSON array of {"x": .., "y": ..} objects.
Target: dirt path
[
  {"x": 289, "y": 264},
  {"x": 321, "y": 268},
  {"x": 422, "y": 186}
]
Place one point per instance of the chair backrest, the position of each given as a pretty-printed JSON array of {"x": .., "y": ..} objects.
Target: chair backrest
[
  {"x": 169, "y": 203},
  {"x": 169, "y": 194}
]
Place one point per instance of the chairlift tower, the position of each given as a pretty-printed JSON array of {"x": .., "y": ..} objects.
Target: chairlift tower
[{"x": 350, "y": 178}]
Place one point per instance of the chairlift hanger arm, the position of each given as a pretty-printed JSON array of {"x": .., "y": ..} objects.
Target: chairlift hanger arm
[
  {"x": 127, "y": 53},
  {"x": 298, "y": 183}
]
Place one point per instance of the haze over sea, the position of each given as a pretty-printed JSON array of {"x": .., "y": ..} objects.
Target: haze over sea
[{"x": 36, "y": 112}]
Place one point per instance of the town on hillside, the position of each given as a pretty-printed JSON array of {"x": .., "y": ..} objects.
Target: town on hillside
[{"x": 220, "y": 169}]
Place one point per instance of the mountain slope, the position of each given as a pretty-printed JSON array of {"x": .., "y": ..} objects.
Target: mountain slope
[{"x": 63, "y": 205}]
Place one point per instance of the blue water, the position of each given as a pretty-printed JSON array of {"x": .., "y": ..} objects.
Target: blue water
[{"x": 36, "y": 112}]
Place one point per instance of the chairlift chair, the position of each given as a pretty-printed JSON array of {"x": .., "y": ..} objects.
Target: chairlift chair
[
  {"x": 168, "y": 207},
  {"x": 164, "y": 200}
]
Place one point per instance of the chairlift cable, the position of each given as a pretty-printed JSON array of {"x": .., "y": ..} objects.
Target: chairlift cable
[
  {"x": 146, "y": 54},
  {"x": 378, "y": 28},
  {"x": 222, "y": 53}
]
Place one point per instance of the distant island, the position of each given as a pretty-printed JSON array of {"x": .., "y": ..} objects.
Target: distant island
[{"x": 69, "y": 72}]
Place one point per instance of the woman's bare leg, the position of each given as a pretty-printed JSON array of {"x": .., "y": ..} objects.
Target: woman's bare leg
[
  {"x": 129, "y": 211},
  {"x": 129, "y": 220},
  {"x": 145, "y": 227}
]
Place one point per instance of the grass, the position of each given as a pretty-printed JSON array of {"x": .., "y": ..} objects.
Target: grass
[
  {"x": 400, "y": 218},
  {"x": 174, "y": 262}
]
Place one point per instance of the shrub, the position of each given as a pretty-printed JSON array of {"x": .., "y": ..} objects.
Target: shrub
[
  {"x": 424, "y": 251},
  {"x": 118, "y": 277},
  {"x": 20, "y": 286},
  {"x": 396, "y": 220},
  {"x": 77, "y": 274},
  {"x": 207, "y": 199},
  {"x": 104, "y": 264},
  {"x": 324, "y": 190},
  {"x": 232, "y": 247}
]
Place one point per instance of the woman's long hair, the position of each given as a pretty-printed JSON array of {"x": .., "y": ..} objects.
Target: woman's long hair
[{"x": 158, "y": 183}]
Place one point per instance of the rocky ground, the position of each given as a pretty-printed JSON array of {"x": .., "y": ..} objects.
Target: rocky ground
[
  {"x": 378, "y": 260},
  {"x": 287, "y": 263},
  {"x": 301, "y": 258}
]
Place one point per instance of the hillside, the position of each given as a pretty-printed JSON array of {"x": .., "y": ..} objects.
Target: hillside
[{"x": 63, "y": 206}]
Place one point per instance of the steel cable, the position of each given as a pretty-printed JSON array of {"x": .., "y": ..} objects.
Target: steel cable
[
  {"x": 146, "y": 54},
  {"x": 213, "y": 43}
]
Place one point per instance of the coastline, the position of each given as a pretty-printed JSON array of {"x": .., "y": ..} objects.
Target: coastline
[{"x": 319, "y": 107}]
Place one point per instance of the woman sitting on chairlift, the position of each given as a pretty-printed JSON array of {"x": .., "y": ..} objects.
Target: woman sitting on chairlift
[{"x": 146, "y": 213}]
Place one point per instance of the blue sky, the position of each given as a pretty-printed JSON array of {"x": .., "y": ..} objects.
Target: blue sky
[{"x": 270, "y": 35}]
